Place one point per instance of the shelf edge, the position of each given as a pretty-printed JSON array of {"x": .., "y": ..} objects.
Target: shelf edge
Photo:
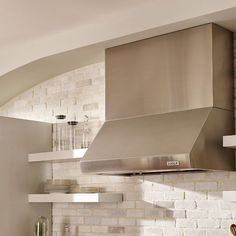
[
  {"x": 76, "y": 198},
  {"x": 68, "y": 155}
]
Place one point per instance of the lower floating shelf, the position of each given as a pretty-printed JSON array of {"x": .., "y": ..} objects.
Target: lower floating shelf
[{"x": 76, "y": 197}]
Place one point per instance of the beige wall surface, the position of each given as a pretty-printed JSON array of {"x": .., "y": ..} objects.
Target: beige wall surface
[{"x": 18, "y": 178}]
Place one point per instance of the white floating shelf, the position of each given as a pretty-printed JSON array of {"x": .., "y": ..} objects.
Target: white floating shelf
[
  {"x": 229, "y": 141},
  {"x": 229, "y": 196},
  {"x": 68, "y": 155},
  {"x": 76, "y": 197}
]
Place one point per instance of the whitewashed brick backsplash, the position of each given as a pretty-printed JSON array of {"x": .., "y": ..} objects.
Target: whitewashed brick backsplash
[
  {"x": 76, "y": 93},
  {"x": 186, "y": 204}
]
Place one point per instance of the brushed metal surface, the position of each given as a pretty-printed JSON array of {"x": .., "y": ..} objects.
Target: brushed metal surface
[
  {"x": 141, "y": 165},
  {"x": 168, "y": 73},
  {"x": 183, "y": 70},
  {"x": 167, "y": 97},
  {"x": 157, "y": 135},
  {"x": 192, "y": 138},
  {"x": 223, "y": 68},
  {"x": 208, "y": 151}
]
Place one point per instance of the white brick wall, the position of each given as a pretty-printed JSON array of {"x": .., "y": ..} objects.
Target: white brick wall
[
  {"x": 186, "y": 204},
  {"x": 77, "y": 92}
]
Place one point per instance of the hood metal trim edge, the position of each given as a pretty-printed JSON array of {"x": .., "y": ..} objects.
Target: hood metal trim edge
[{"x": 137, "y": 165}]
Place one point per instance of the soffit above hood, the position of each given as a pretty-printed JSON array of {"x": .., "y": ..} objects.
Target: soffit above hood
[{"x": 169, "y": 101}]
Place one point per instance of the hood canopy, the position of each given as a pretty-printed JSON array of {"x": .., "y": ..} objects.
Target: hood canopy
[{"x": 169, "y": 101}]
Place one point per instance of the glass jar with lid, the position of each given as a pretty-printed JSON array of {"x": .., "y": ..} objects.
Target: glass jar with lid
[
  {"x": 72, "y": 136},
  {"x": 85, "y": 133},
  {"x": 59, "y": 133}
]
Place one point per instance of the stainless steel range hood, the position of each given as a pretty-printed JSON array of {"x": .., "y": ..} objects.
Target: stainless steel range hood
[{"x": 169, "y": 101}]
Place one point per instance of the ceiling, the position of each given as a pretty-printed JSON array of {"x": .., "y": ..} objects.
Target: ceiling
[
  {"x": 27, "y": 19},
  {"x": 42, "y": 39},
  {"x": 30, "y": 30},
  {"x": 27, "y": 76}
]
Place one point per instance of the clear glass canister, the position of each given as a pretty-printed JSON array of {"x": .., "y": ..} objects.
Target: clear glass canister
[
  {"x": 59, "y": 133},
  {"x": 72, "y": 125},
  {"x": 41, "y": 226},
  {"x": 85, "y": 133}
]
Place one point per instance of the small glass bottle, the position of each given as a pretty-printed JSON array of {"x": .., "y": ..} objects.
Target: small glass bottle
[
  {"x": 66, "y": 230},
  {"x": 85, "y": 133},
  {"x": 60, "y": 133},
  {"x": 72, "y": 134},
  {"x": 41, "y": 226}
]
